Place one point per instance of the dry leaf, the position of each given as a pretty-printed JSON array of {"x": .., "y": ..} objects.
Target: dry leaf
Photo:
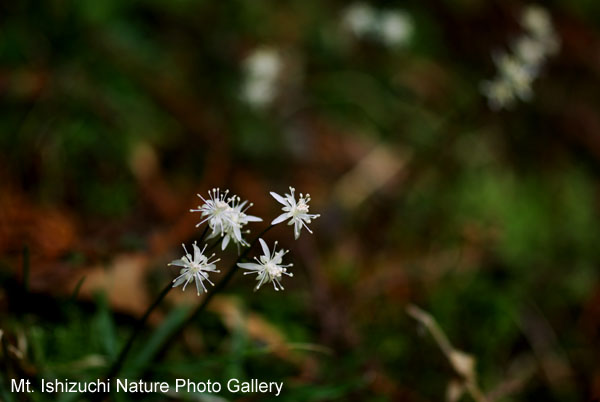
[
  {"x": 463, "y": 363},
  {"x": 123, "y": 282},
  {"x": 454, "y": 391}
]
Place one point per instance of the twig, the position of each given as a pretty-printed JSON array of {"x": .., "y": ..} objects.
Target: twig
[
  {"x": 527, "y": 367},
  {"x": 462, "y": 363}
]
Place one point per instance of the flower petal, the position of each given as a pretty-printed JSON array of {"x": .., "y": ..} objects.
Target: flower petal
[
  {"x": 179, "y": 263},
  {"x": 279, "y": 219},
  {"x": 250, "y": 265},
  {"x": 279, "y": 198},
  {"x": 179, "y": 280},
  {"x": 198, "y": 286},
  {"x": 225, "y": 242},
  {"x": 197, "y": 253},
  {"x": 265, "y": 248},
  {"x": 297, "y": 227},
  {"x": 237, "y": 234}
]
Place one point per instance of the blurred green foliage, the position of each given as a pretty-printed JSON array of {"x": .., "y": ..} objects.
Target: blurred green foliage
[{"x": 496, "y": 217}]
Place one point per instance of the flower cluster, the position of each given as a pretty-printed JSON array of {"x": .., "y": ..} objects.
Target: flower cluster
[
  {"x": 518, "y": 69},
  {"x": 225, "y": 216},
  {"x": 393, "y": 28}
]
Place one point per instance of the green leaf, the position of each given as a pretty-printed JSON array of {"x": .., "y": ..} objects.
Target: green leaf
[
  {"x": 151, "y": 348},
  {"x": 106, "y": 327}
]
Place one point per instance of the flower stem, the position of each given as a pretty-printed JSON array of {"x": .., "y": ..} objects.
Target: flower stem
[
  {"x": 118, "y": 364},
  {"x": 224, "y": 281},
  {"x": 218, "y": 287}
]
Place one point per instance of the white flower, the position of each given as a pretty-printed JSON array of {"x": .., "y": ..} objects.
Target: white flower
[
  {"x": 499, "y": 93},
  {"x": 258, "y": 93},
  {"x": 395, "y": 28},
  {"x": 517, "y": 71},
  {"x": 392, "y": 28},
  {"x": 530, "y": 51},
  {"x": 263, "y": 63},
  {"x": 235, "y": 220},
  {"x": 196, "y": 268},
  {"x": 226, "y": 217},
  {"x": 518, "y": 74},
  {"x": 360, "y": 18},
  {"x": 269, "y": 267},
  {"x": 296, "y": 212},
  {"x": 214, "y": 209},
  {"x": 536, "y": 20},
  {"x": 262, "y": 69}
]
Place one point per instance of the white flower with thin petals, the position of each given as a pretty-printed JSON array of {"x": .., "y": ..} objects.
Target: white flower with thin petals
[
  {"x": 295, "y": 211},
  {"x": 214, "y": 210},
  {"x": 195, "y": 268},
  {"x": 226, "y": 217},
  {"x": 269, "y": 267},
  {"x": 234, "y": 222}
]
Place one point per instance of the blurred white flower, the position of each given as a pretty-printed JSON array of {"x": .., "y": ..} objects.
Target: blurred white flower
[
  {"x": 517, "y": 71},
  {"x": 295, "y": 211},
  {"x": 537, "y": 21},
  {"x": 517, "y": 74},
  {"x": 392, "y": 27},
  {"x": 263, "y": 63},
  {"x": 395, "y": 28},
  {"x": 529, "y": 50},
  {"x": 258, "y": 93},
  {"x": 195, "y": 268},
  {"x": 235, "y": 220},
  {"x": 269, "y": 267},
  {"x": 360, "y": 18},
  {"x": 499, "y": 93},
  {"x": 262, "y": 69}
]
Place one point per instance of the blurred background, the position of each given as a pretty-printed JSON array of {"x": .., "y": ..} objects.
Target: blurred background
[{"x": 114, "y": 115}]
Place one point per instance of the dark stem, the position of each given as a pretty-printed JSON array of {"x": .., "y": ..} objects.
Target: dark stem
[
  {"x": 218, "y": 287},
  {"x": 116, "y": 366},
  {"x": 223, "y": 282},
  {"x": 203, "y": 235},
  {"x": 139, "y": 325},
  {"x": 215, "y": 244}
]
